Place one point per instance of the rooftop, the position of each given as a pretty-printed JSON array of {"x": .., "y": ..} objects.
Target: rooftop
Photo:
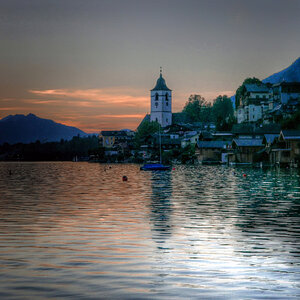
[
  {"x": 212, "y": 144},
  {"x": 291, "y": 134},
  {"x": 248, "y": 142},
  {"x": 256, "y": 88},
  {"x": 269, "y": 138},
  {"x": 161, "y": 84}
]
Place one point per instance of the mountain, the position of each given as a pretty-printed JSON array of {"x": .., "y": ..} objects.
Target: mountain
[
  {"x": 290, "y": 74},
  {"x": 30, "y": 128}
]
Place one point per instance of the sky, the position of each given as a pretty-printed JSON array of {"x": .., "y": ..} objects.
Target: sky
[{"x": 92, "y": 64}]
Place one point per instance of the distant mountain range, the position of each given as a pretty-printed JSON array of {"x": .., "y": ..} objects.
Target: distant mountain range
[
  {"x": 290, "y": 74},
  {"x": 30, "y": 128}
]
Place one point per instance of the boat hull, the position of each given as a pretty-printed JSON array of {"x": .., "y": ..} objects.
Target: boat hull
[{"x": 154, "y": 167}]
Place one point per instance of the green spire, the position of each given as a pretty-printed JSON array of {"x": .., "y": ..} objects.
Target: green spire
[{"x": 160, "y": 83}]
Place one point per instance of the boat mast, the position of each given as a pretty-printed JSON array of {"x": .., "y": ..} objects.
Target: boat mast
[{"x": 159, "y": 144}]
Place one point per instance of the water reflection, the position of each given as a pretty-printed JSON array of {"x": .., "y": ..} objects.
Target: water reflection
[
  {"x": 75, "y": 230},
  {"x": 161, "y": 206},
  {"x": 268, "y": 214}
]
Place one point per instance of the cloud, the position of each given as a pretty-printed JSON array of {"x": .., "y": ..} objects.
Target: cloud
[
  {"x": 14, "y": 108},
  {"x": 123, "y": 116},
  {"x": 92, "y": 110},
  {"x": 125, "y": 97}
]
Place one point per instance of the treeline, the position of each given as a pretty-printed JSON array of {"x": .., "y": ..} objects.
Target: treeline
[
  {"x": 220, "y": 112},
  {"x": 292, "y": 122},
  {"x": 51, "y": 151}
]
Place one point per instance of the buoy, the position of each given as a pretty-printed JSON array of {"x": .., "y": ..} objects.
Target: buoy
[
  {"x": 124, "y": 178},
  {"x": 173, "y": 169},
  {"x": 244, "y": 175}
]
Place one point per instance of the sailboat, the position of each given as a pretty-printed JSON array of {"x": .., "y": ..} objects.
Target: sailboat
[{"x": 156, "y": 166}]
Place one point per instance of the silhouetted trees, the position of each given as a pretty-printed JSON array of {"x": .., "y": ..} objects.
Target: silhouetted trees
[
  {"x": 62, "y": 150},
  {"x": 293, "y": 122},
  {"x": 197, "y": 109},
  {"x": 223, "y": 113},
  {"x": 220, "y": 112},
  {"x": 146, "y": 129}
]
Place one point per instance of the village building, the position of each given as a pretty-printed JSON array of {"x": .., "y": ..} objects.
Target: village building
[
  {"x": 205, "y": 135},
  {"x": 286, "y": 150},
  {"x": 284, "y": 92},
  {"x": 269, "y": 139},
  {"x": 190, "y": 138},
  {"x": 110, "y": 138},
  {"x": 260, "y": 103},
  {"x": 253, "y": 103},
  {"x": 212, "y": 151},
  {"x": 222, "y": 136},
  {"x": 244, "y": 150}
]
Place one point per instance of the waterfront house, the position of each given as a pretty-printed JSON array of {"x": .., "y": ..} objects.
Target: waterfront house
[
  {"x": 252, "y": 131},
  {"x": 245, "y": 149},
  {"x": 211, "y": 150},
  {"x": 269, "y": 139},
  {"x": 287, "y": 149}
]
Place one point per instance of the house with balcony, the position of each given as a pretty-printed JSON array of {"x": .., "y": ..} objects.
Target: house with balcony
[
  {"x": 286, "y": 150},
  {"x": 254, "y": 103}
]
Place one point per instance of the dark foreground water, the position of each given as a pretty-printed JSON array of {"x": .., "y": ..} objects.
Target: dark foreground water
[{"x": 75, "y": 230}]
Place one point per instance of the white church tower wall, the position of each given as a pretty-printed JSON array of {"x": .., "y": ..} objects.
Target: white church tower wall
[{"x": 161, "y": 103}]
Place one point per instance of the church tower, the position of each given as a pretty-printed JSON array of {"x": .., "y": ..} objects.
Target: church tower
[{"x": 161, "y": 103}]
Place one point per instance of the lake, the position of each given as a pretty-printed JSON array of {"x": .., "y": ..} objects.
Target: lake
[{"x": 76, "y": 230}]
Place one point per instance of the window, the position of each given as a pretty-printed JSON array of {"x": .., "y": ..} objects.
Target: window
[
  {"x": 167, "y": 120},
  {"x": 167, "y": 97},
  {"x": 156, "y": 119},
  {"x": 167, "y": 103},
  {"x": 156, "y": 104},
  {"x": 156, "y": 97}
]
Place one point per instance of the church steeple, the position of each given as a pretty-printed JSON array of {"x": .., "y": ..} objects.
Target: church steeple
[{"x": 160, "y": 83}]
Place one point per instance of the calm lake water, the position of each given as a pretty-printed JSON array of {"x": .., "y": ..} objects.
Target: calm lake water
[{"x": 76, "y": 230}]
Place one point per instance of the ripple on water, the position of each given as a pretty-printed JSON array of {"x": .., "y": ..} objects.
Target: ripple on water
[{"x": 75, "y": 230}]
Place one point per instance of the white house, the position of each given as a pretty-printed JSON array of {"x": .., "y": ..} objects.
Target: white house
[{"x": 254, "y": 103}]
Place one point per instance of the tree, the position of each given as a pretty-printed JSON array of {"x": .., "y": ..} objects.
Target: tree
[
  {"x": 145, "y": 129},
  {"x": 238, "y": 92},
  {"x": 292, "y": 122},
  {"x": 197, "y": 109},
  {"x": 223, "y": 114}
]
